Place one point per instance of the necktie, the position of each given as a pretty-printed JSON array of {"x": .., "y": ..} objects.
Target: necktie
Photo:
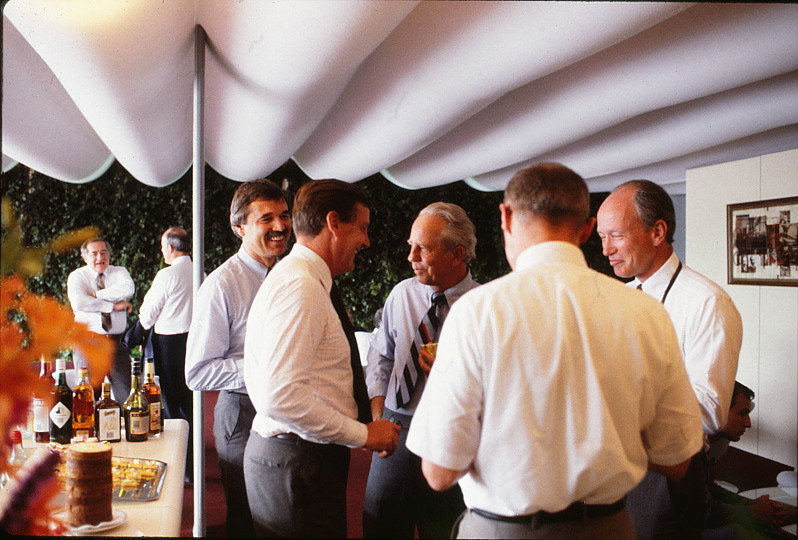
[
  {"x": 106, "y": 317},
  {"x": 358, "y": 379},
  {"x": 427, "y": 332}
]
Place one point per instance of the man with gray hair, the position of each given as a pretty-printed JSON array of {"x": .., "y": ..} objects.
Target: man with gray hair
[
  {"x": 99, "y": 294},
  {"x": 442, "y": 242},
  {"x": 166, "y": 309}
]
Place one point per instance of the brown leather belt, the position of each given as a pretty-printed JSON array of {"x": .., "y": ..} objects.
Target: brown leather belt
[{"x": 577, "y": 511}]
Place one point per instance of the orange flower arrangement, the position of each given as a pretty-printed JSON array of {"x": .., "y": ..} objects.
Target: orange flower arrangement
[{"x": 33, "y": 327}]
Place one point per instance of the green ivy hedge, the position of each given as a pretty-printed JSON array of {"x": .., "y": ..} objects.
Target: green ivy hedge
[{"x": 132, "y": 216}]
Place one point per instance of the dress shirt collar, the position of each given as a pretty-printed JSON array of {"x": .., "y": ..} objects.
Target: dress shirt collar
[
  {"x": 318, "y": 268},
  {"x": 183, "y": 259},
  {"x": 256, "y": 266},
  {"x": 655, "y": 285},
  {"x": 550, "y": 252},
  {"x": 462, "y": 287}
]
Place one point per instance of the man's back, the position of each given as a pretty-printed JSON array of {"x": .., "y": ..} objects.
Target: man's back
[{"x": 569, "y": 367}]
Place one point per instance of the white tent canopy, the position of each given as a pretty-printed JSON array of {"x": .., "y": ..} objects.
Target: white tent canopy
[{"x": 425, "y": 92}]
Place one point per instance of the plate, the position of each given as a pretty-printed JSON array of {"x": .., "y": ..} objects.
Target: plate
[{"x": 119, "y": 518}]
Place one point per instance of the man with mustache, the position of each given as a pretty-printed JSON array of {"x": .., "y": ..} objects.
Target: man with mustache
[
  {"x": 215, "y": 352},
  {"x": 398, "y": 500},
  {"x": 99, "y": 294}
]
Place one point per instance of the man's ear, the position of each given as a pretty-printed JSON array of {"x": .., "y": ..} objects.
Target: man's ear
[
  {"x": 506, "y": 213},
  {"x": 458, "y": 253},
  {"x": 659, "y": 232},
  {"x": 333, "y": 222},
  {"x": 587, "y": 230}
]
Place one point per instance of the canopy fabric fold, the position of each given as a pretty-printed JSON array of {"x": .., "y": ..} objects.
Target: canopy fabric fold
[{"x": 426, "y": 93}]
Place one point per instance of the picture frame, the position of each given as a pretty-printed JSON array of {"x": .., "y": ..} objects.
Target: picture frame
[{"x": 761, "y": 242}]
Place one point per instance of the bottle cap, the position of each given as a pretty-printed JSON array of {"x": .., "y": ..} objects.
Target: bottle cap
[
  {"x": 83, "y": 372},
  {"x": 16, "y": 437},
  {"x": 60, "y": 364}
]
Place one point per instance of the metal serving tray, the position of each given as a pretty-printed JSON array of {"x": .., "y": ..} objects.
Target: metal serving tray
[{"x": 137, "y": 479}]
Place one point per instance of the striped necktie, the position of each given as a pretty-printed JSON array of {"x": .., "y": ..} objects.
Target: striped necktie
[
  {"x": 427, "y": 332},
  {"x": 106, "y": 317}
]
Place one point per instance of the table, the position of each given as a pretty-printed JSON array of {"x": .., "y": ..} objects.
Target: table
[
  {"x": 161, "y": 517},
  {"x": 786, "y": 495}
]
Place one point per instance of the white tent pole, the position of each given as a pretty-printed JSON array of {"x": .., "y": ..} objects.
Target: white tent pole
[{"x": 198, "y": 212}]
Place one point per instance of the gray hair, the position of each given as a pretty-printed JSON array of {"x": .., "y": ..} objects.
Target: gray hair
[
  {"x": 460, "y": 231},
  {"x": 84, "y": 246},
  {"x": 653, "y": 203},
  {"x": 177, "y": 238}
]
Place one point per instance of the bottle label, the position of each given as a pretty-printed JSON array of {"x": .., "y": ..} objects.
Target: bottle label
[
  {"x": 60, "y": 414},
  {"x": 139, "y": 423},
  {"x": 155, "y": 417},
  {"x": 108, "y": 430},
  {"x": 41, "y": 422}
]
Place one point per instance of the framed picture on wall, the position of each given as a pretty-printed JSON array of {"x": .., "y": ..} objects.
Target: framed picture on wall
[{"x": 762, "y": 242}]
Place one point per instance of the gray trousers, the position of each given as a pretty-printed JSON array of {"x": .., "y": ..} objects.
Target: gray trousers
[
  {"x": 232, "y": 422},
  {"x": 296, "y": 489},
  {"x": 617, "y": 526}
]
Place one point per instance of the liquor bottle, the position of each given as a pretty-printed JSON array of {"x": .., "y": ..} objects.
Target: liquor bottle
[
  {"x": 108, "y": 416},
  {"x": 83, "y": 406},
  {"x": 136, "y": 408},
  {"x": 153, "y": 393},
  {"x": 41, "y": 408},
  {"x": 61, "y": 412}
]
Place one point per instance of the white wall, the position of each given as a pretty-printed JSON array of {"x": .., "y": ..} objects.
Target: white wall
[{"x": 769, "y": 357}]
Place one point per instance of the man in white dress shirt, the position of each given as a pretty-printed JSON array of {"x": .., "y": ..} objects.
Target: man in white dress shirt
[
  {"x": 636, "y": 224},
  {"x": 98, "y": 294},
  {"x": 166, "y": 309},
  {"x": 304, "y": 375},
  {"x": 215, "y": 356},
  {"x": 555, "y": 387}
]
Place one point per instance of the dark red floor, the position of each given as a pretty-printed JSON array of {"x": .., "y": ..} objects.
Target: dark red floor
[{"x": 214, "y": 495}]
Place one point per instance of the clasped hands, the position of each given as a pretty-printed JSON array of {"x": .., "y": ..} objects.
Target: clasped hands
[{"x": 383, "y": 437}]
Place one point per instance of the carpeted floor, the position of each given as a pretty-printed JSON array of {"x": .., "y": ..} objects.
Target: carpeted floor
[{"x": 214, "y": 495}]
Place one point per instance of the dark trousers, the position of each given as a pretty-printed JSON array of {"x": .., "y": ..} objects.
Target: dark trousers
[
  {"x": 296, "y": 489},
  {"x": 169, "y": 353},
  {"x": 664, "y": 509},
  {"x": 120, "y": 371},
  {"x": 232, "y": 421},
  {"x": 398, "y": 498}
]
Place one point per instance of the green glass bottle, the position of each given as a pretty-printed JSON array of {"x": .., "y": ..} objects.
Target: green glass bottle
[{"x": 136, "y": 407}]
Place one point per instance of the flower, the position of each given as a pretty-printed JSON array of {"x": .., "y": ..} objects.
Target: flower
[{"x": 34, "y": 327}]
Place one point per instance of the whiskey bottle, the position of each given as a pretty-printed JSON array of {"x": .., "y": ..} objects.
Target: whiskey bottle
[
  {"x": 153, "y": 394},
  {"x": 136, "y": 408},
  {"x": 108, "y": 416},
  {"x": 61, "y": 412},
  {"x": 41, "y": 407},
  {"x": 83, "y": 406}
]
